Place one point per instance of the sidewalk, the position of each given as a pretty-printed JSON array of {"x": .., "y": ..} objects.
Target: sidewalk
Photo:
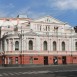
[{"x": 37, "y": 66}]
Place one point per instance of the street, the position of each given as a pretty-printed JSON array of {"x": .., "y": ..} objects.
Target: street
[{"x": 40, "y": 71}]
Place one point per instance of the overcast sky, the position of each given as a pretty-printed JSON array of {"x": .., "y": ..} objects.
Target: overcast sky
[{"x": 64, "y": 10}]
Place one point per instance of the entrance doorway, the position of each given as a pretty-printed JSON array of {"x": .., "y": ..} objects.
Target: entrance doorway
[
  {"x": 64, "y": 59},
  {"x": 31, "y": 60},
  {"x": 55, "y": 60},
  {"x": 45, "y": 60}
]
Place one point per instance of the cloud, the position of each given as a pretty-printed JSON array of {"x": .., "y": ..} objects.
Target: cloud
[
  {"x": 64, "y": 4},
  {"x": 36, "y": 8},
  {"x": 30, "y": 13}
]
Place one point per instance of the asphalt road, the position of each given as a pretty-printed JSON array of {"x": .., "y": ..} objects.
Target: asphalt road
[{"x": 40, "y": 71}]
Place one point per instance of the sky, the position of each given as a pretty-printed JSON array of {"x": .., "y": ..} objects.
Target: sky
[{"x": 64, "y": 10}]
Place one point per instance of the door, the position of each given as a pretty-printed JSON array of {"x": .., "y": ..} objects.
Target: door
[
  {"x": 64, "y": 59},
  {"x": 45, "y": 60},
  {"x": 31, "y": 60},
  {"x": 55, "y": 60}
]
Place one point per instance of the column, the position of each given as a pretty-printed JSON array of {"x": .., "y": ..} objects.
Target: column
[
  {"x": 27, "y": 44},
  {"x": 6, "y": 45},
  {"x": 11, "y": 41},
  {"x": 35, "y": 47},
  {"x": 13, "y": 44},
  {"x": 9, "y": 46},
  {"x": 50, "y": 44},
  {"x": 41, "y": 44},
  {"x": 59, "y": 45}
]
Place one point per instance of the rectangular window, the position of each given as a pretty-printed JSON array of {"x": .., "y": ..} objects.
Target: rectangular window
[
  {"x": 48, "y": 28},
  {"x": 35, "y": 58},
  {"x": 74, "y": 57},
  {"x": 16, "y": 49}
]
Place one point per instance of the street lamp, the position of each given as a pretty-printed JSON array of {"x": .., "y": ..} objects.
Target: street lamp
[
  {"x": 56, "y": 34},
  {"x": 20, "y": 36},
  {"x": 71, "y": 43},
  {"x": 3, "y": 59},
  {"x": 3, "y": 53}
]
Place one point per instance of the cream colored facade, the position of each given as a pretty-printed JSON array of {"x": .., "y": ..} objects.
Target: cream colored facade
[{"x": 46, "y": 29}]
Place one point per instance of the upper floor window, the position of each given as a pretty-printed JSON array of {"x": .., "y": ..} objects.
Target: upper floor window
[
  {"x": 54, "y": 46},
  {"x": 17, "y": 45},
  {"x": 63, "y": 46},
  {"x": 76, "y": 46},
  {"x": 8, "y": 26},
  {"x": 30, "y": 45},
  {"x": 40, "y": 28},
  {"x": 46, "y": 28},
  {"x": 48, "y": 20},
  {"x": 45, "y": 45}
]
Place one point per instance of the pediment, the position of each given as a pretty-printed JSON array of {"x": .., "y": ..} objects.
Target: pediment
[{"x": 49, "y": 19}]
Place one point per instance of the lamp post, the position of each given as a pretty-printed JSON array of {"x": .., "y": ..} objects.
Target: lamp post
[
  {"x": 56, "y": 32},
  {"x": 3, "y": 59},
  {"x": 3, "y": 53},
  {"x": 20, "y": 36},
  {"x": 71, "y": 44}
]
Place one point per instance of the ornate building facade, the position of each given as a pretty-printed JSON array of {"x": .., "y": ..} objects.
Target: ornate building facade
[{"x": 44, "y": 41}]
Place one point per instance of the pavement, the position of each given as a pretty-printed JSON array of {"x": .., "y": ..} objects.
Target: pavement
[
  {"x": 37, "y": 66},
  {"x": 40, "y": 71}
]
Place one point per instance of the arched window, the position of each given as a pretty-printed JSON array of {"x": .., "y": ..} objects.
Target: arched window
[
  {"x": 63, "y": 46},
  {"x": 45, "y": 45},
  {"x": 40, "y": 28},
  {"x": 17, "y": 45},
  {"x": 46, "y": 28},
  {"x": 76, "y": 46},
  {"x": 54, "y": 46},
  {"x": 30, "y": 45}
]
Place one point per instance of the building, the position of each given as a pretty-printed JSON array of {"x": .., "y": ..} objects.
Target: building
[{"x": 44, "y": 41}]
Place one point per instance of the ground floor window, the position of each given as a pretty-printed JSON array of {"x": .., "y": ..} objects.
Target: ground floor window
[
  {"x": 10, "y": 61},
  {"x": 31, "y": 60},
  {"x": 16, "y": 60}
]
